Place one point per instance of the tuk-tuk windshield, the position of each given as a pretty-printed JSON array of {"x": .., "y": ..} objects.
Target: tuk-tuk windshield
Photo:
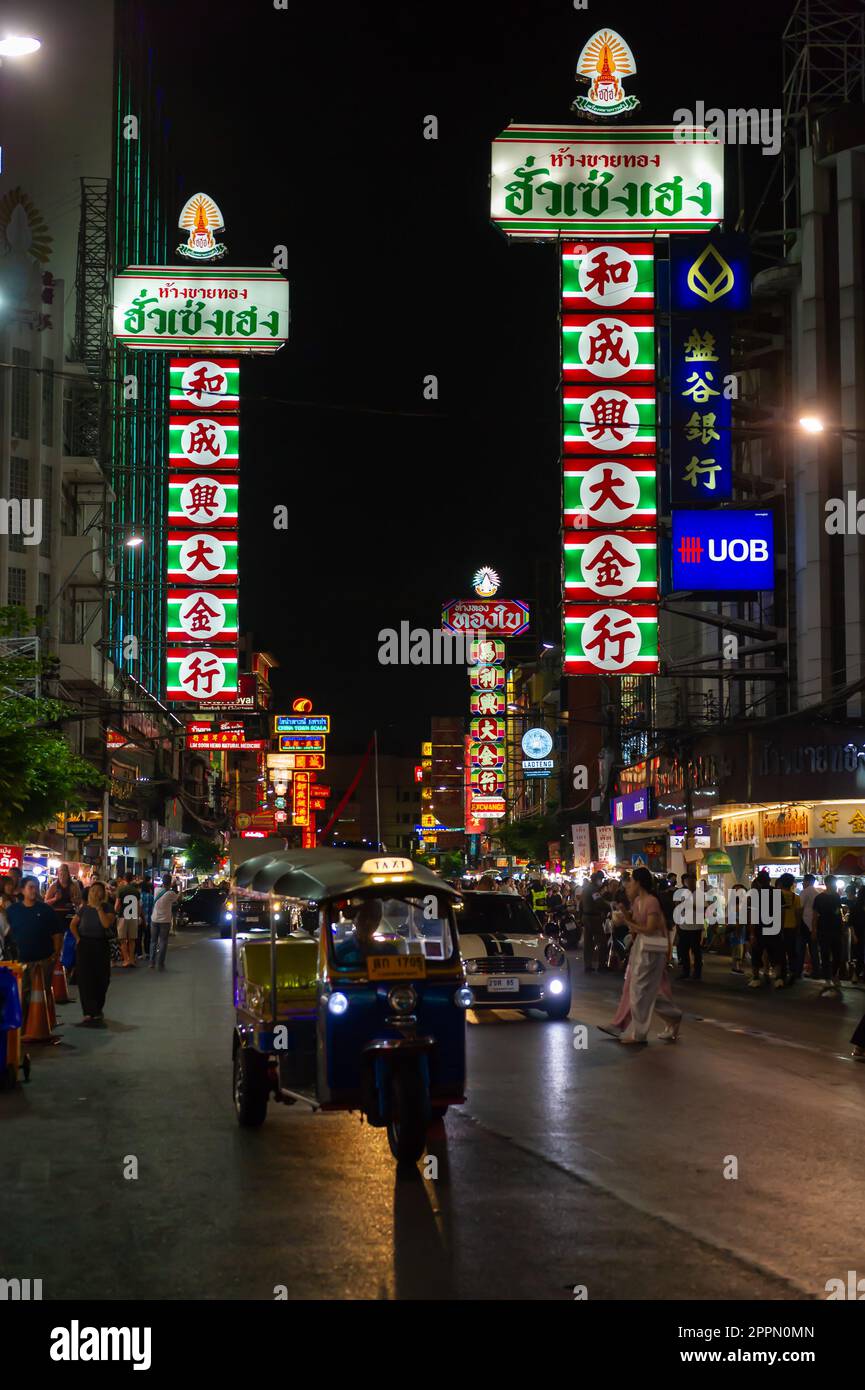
[{"x": 363, "y": 927}]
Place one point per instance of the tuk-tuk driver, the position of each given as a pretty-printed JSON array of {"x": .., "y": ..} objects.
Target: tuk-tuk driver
[{"x": 354, "y": 948}]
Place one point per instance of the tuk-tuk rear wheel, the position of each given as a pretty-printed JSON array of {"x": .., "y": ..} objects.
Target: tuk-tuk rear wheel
[
  {"x": 409, "y": 1115},
  {"x": 250, "y": 1087}
]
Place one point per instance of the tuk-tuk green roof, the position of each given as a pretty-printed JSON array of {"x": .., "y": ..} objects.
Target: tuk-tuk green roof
[{"x": 315, "y": 874}]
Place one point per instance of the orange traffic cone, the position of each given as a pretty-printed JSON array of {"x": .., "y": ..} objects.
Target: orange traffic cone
[
  {"x": 38, "y": 1026},
  {"x": 58, "y": 983}
]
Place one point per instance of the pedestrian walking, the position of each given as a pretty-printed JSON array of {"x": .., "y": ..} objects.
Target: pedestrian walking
[
  {"x": 8, "y": 949},
  {"x": 146, "y": 910},
  {"x": 808, "y": 932},
  {"x": 650, "y": 951},
  {"x": 830, "y": 936},
  {"x": 857, "y": 925},
  {"x": 791, "y": 930},
  {"x": 689, "y": 940},
  {"x": 36, "y": 933},
  {"x": 593, "y": 909},
  {"x": 160, "y": 922},
  {"x": 92, "y": 927},
  {"x": 127, "y": 906}
]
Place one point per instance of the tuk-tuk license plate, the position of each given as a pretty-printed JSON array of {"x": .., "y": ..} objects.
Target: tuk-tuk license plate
[
  {"x": 390, "y": 967},
  {"x": 250, "y": 919},
  {"x": 506, "y": 985}
]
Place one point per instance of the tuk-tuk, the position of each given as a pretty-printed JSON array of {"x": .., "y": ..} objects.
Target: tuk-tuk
[{"x": 357, "y": 998}]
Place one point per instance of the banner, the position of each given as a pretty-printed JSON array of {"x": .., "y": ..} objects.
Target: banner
[{"x": 582, "y": 846}]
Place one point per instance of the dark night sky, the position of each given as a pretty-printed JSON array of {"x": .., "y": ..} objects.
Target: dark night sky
[{"x": 306, "y": 126}]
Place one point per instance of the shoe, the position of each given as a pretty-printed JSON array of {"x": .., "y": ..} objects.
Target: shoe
[
  {"x": 827, "y": 990},
  {"x": 858, "y": 1054},
  {"x": 778, "y": 983},
  {"x": 153, "y": 965},
  {"x": 755, "y": 983},
  {"x": 670, "y": 1035}
]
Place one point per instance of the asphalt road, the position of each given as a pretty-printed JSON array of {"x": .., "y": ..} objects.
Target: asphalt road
[{"x": 596, "y": 1166}]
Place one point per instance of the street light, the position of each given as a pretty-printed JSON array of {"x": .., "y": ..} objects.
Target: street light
[
  {"x": 811, "y": 424},
  {"x": 135, "y": 540},
  {"x": 15, "y": 46}
]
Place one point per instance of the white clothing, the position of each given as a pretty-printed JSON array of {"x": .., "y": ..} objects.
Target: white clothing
[
  {"x": 646, "y": 973},
  {"x": 164, "y": 905}
]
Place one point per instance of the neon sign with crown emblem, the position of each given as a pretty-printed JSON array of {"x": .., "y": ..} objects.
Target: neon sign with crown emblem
[
  {"x": 201, "y": 218},
  {"x": 604, "y": 61}
]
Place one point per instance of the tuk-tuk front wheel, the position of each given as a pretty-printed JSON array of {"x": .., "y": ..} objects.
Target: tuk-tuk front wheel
[
  {"x": 250, "y": 1087},
  {"x": 409, "y": 1114}
]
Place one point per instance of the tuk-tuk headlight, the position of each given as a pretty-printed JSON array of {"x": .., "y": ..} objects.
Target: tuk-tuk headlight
[
  {"x": 337, "y": 1003},
  {"x": 402, "y": 999},
  {"x": 464, "y": 997},
  {"x": 228, "y": 916}
]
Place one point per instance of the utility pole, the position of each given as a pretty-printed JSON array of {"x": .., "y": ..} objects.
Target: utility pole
[{"x": 377, "y": 803}]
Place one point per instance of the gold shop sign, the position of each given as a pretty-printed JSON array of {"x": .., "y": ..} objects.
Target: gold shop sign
[
  {"x": 789, "y": 824},
  {"x": 740, "y": 830},
  {"x": 837, "y": 823}
]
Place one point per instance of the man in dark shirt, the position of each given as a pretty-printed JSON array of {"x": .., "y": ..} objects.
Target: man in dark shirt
[
  {"x": 830, "y": 936},
  {"x": 594, "y": 909},
  {"x": 37, "y": 933}
]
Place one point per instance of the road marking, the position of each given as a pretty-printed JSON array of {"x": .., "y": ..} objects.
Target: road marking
[{"x": 750, "y": 1032}]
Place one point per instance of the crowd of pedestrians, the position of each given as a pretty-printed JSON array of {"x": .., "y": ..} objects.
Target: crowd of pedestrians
[
  {"x": 777, "y": 937},
  {"x": 89, "y": 927}
]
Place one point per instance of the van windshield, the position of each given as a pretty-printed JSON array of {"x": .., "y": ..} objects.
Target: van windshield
[{"x": 364, "y": 927}]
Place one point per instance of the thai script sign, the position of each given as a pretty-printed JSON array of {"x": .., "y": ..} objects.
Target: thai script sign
[
  {"x": 242, "y": 309},
  {"x": 510, "y": 617},
  {"x": 550, "y": 180}
]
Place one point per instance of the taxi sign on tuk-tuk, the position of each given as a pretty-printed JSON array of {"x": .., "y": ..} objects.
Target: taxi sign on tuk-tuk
[{"x": 386, "y": 866}]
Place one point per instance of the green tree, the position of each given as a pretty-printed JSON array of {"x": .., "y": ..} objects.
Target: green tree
[
  {"x": 529, "y": 838},
  {"x": 202, "y": 856},
  {"x": 40, "y": 776}
]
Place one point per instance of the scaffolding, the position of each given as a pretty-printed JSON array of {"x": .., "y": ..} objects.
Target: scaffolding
[{"x": 824, "y": 68}]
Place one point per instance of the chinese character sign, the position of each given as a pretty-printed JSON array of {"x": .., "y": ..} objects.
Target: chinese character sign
[
  {"x": 609, "y": 410},
  {"x": 611, "y": 641},
  {"x": 701, "y": 450},
  {"x": 202, "y": 541}
]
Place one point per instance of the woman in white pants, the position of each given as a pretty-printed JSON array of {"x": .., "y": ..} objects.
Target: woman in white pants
[{"x": 649, "y": 954}]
